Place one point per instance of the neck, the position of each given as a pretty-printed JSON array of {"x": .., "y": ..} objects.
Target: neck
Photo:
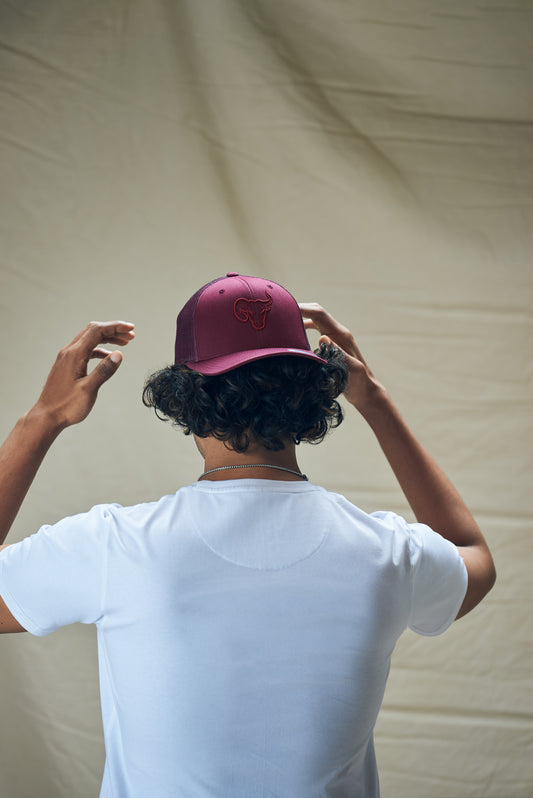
[{"x": 217, "y": 455}]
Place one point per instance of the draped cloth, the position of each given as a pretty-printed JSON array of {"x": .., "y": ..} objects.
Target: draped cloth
[{"x": 373, "y": 157}]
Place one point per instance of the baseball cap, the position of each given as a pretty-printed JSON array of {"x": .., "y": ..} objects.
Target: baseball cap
[{"x": 236, "y": 319}]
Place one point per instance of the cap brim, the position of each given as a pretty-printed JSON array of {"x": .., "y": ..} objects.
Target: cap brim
[{"x": 223, "y": 363}]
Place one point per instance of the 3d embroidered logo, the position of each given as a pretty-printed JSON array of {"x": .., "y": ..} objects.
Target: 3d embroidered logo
[{"x": 253, "y": 310}]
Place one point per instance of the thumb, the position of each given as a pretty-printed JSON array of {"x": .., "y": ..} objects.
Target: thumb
[
  {"x": 326, "y": 340},
  {"x": 104, "y": 370}
]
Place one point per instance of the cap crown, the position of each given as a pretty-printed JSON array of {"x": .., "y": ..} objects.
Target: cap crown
[{"x": 238, "y": 318}]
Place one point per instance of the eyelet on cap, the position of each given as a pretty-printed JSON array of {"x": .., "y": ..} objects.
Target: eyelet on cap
[{"x": 232, "y": 274}]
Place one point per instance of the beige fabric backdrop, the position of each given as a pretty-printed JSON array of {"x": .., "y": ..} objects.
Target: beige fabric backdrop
[{"x": 373, "y": 156}]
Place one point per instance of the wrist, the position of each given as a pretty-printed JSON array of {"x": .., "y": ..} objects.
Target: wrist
[
  {"x": 42, "y": 423},
  {"x": 373, "y": 402}
]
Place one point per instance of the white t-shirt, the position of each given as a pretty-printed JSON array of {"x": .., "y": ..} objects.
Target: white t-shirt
[{"x": 245, "y": 629}]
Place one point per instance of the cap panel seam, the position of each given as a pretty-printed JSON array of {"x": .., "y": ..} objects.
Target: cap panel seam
[
  {"x": 201, "y": 293},
  {"x": 247, "y": 284}
]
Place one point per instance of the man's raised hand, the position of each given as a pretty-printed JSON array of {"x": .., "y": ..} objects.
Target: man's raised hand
[
  {"x": 362, "y": 385},
  {"x": 70, "y": 391}
]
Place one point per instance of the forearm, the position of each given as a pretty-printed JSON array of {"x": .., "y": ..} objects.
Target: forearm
[
  {"x": 20, "y": 457},
  {"x": 430, "y": 494},
  {"x": 428, "y": 490}
]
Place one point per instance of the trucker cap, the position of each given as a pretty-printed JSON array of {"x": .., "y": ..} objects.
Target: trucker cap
[{"x": 236, "y": 319}]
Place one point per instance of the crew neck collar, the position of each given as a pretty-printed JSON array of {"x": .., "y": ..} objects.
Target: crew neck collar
[{"x": 254, "y": 484}]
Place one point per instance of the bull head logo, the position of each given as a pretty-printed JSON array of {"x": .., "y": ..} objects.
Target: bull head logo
[{"x": 253, "y": 310}]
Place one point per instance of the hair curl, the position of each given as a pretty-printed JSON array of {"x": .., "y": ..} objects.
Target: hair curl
[{"x": 270, "y": 401}]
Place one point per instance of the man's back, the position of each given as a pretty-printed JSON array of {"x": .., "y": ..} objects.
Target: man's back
[{"x": 245, "y": 629}]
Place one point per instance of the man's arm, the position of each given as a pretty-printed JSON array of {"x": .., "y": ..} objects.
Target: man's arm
[
  {"x": 428, "y": 490},
  {"x": 67, "y": 398}
]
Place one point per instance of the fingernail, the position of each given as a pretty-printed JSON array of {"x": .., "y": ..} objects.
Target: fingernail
[{"x": 116, "y": 357}]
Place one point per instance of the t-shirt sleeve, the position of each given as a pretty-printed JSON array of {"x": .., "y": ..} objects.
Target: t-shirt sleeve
[
  {"x": 439, "y": 578},
  {"x": 57, "y": 576}
]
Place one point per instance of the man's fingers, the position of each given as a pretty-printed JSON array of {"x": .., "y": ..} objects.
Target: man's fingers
[
  {"x": 312, "y": 311},
  {"x": 112, "y": 327},
  {"x": 315, "y": 317},
  {"x": 103, "y": 332},
  {"x": 309, "y": 324},
  {"x": 108, "y": 332}
]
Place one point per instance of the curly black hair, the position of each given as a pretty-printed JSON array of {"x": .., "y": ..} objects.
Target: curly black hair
[{"x": 270, "y": 401}]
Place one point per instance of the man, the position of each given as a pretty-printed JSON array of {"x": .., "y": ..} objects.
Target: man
[{"x": 245, "y": 623}]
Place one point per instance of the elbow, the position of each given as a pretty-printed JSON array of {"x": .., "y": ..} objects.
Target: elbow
[{"x": 481, "y": 579}]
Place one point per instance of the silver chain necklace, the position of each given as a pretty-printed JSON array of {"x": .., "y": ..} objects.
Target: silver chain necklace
[{"x": 253, "y": 465}]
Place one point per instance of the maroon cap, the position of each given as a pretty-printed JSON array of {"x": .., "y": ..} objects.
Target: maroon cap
[{"x": 236, "y": 319}]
